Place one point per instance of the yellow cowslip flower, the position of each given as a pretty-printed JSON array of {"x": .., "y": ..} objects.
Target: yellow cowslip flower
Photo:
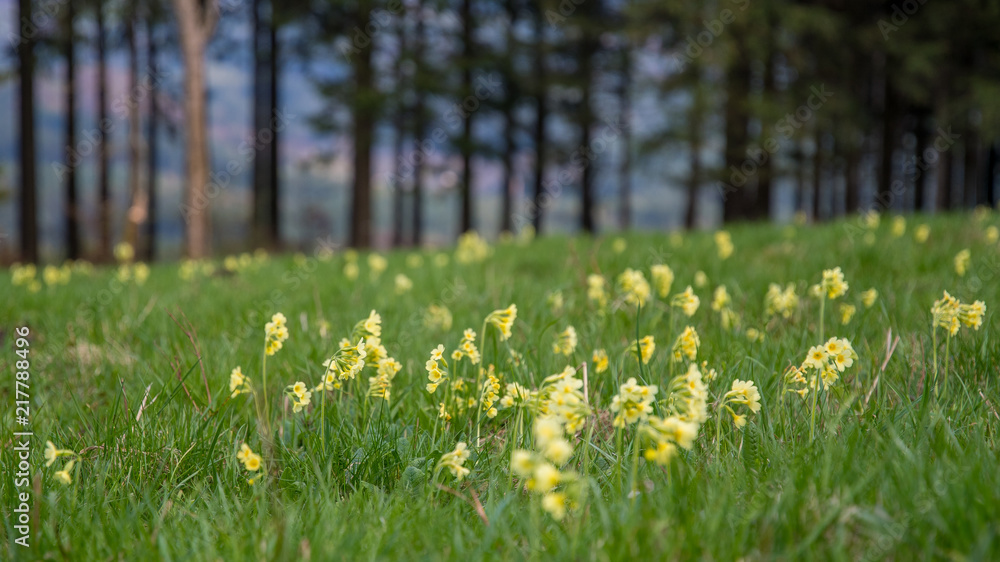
[
  {"x": 52, "y": 453},
  {"x": 63, "y": 476},
  {"x": 662, "y": 453},
  {"x": 846, "y": 313},
  {"x": 471, "y": 248},
  {"x": 700, "y": 279},
  {"x": 871, "y": 219},
  {"x": 686, "y": 345},
  {"x": 22, "y": 274},
  {"x": 544, "y": 478},
  {"x": 600, "y": 359},
  {"x": 250, "y": 460},
  {"x": 555, "y": 301},
  {"x": 558, "y": 450},
  {"x": 565, "y": 341},
  {"x": 635, "y": 287},
  {"x": 618, "y": 245},
  {"x": 467, "y": 348},
  {"x": 414, "y": 261},
  {"x": 898, "y": 226},
  {"x": 443, "y": 413},
  {"x": 971, "y": 315},
  {"x": 687, "y": 301},
  {"x": 301, "y": 402},
  {"x": 503, "y": 320},
  {"x": 455, "y": 460},
  {"x": 833, "y": 285},
  {"x": 403, "y": 284},
  {"x": 922, "y": 233},
  {"x": 377, "y": 264},
  {"x": 663, "y": 279},
  {"x": 633, "y": 402},
  {"x": 554, "y": 503},
  {"x": 596, "y": 290},
  {"x": 438, "y": 318},
  {"x": 724, "y": 244},
  {"x": 962, "y": 262},
  {"x": 992, "y": 234},
  {"x": 647, "y": 345},
  {"x": 781, "y": 302},
  {"x": 141, "y": 273},
  {"x": 351, "y": 270},
  {"x": 124, "y": 252},
  {"x": 490, "y": 392},
  {"x": 868, "y": 297},
  {"x": 945, "y": 312},
  {"x": 275, "y": 333},
  {"x": 720, "y": 298},
  {"x": 753, "y": 334},
  {"x": 436, "y": 369},
  {"x": 744, "y": 392},
  {"x": 238, "y": 383}
]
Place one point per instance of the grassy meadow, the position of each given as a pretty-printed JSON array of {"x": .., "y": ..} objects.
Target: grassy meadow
[{"x": 886, "y": 453}]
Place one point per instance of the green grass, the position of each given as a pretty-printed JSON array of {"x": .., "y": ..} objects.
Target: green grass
[{"x": 890, "y": 475}]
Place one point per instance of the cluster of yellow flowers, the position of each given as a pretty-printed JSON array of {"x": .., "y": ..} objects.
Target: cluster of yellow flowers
[
  {"x": 52, "y": 453},
  {"x": 25, "y": 275},
  {"x": 300, "y": 395},
  {"x": 832, "y": 285},
  {"x": 437, "y": 369},
  {"x": 516, "y": 395},
  {"x": 251, "y": 461},
  {"x": 663, "y": 279},
  {"x": 635, "y": 287},
  {"x": 275, "y": 333},
  {"x": 962, "y": 259},
  {"x": 869, "y": 297},
  {"x": 403, "y": 284},
  {"x": 646, "y": 347},
  {"x": 540, "y": 469},
  {"x": 503, "y": 320},
  {"x": 724, "y": 244},
  {"x": 950, "y": 313},
  {"x": 380, "y": 385},
  {"x": 438, "y": 318},
  {"x": 467, "y": 348},
  {"x": 778, "y": 302},
  {"x": 561, "y": 398},
  {"x": 686, "y": 345},
  {"x": 239, "y": 383},
  {"x": 742, "y": 392},
  {"x": 490, "y": 392},
  {"x": 190, "y": 268},
  {"x": 824, "y": 362},
  {"x": 454, "y": 461},
  {"x": 555, "y": 301},
  {"x": 597, "y": 290},
  {"x": 633, "y": 403},
  {"x": 565, "y": 341},
  {"x": 471, "y": 248},
  {"x": 345, "y": 364},
  {"x": 687, "y": 301},
  {"x": 600, "y": 360}
]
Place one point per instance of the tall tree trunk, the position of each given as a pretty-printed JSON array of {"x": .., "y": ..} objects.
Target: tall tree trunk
[
  {"x": 883, "y": 194},
  {"x": 262, "y": 63},
  {"x": 852, "y": 187},
  {"x": 274, "y": 177},
  {"x": 737, "y": 196},
  {"x": 72, "y": 210},
  {"x": 801, "y": 178},
  {"x": 921, "y": 133},
  {"x": 364, "y": 123},
  {"x": 137, "y": 200},
  {"x": 765, "y": 174},
  {"x": 29, "y": 209},
  {"x": 195, "y": 23},
  {"x": 541, "y": 118},
  {"x": 588, "y": 49},
  {"x": 944, "y": 181},
  {"x": 991, "y": 171},
  {"x": 418, "y": 127},
  {"x": 695, "y": 123},
  {"x": 399, "y": 146},
  {"x": 153, "y": 118},
  {"x": 625, "y": 171},
  {"x": 465, "y": 218},
  {"x": 509, "y": 123},
  {"x": 817, "y": 169},
  {"x": 970, "y": 167},
  {"x": 103, "y": 185}
]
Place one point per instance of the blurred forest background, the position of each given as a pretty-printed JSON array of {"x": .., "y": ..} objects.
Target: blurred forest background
[{"x": 195, "y": 127}]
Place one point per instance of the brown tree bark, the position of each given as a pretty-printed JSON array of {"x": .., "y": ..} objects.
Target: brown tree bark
[
  {"x": 363, "y": 126},
  {"x": 72, "y": 210},
  {"x": 196, "y": 21},
  {"x": 29, "y": 202},
  {"x": 103, "y": 184},
  {"x": 137, "y": 199}
]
